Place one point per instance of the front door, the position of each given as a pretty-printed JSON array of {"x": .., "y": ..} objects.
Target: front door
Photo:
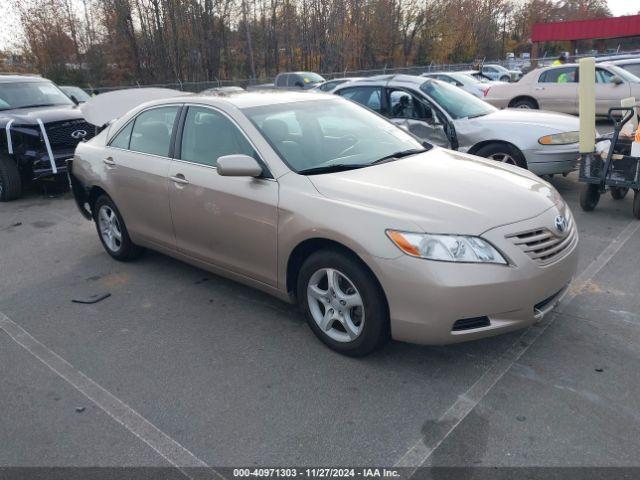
[
  {"x": 416, "y": 116},
  {"x": 137, "y": 163},
  {"x": 230, "y": 222},
  {"x": 608, "y": 93}
]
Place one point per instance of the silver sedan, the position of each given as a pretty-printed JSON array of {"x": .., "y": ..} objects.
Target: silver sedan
[{"x": 544, "y": 142}]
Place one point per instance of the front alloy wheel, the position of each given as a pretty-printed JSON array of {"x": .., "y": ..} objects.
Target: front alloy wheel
[
  {"x": 335, "y": 304},
  {"x": 343, "y": 302}
]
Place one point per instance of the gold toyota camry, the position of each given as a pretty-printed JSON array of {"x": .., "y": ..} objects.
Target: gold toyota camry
[{"x": 319, "y": 201}]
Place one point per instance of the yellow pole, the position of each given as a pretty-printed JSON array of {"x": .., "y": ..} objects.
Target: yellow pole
[{"x": 587, "y": 98}]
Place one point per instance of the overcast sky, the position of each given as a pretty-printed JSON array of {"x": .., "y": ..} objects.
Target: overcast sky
[{"x": 9, "y": 31}]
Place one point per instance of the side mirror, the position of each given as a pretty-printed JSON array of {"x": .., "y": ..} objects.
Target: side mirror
[
  {"x": 74, "y": 99},
  {"x": 238, "y": 166},
  {"x": 616, "y": 80}
]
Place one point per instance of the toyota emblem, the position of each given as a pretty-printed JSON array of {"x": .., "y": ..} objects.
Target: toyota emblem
[
  {"x": 561, "y": 223},
  {"x": 78, "y": 134}
]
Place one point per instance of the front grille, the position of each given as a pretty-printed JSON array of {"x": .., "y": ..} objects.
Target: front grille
[
  {"x": 59, "y": 133},
  {"x": 470, "y": 323},
  {"x": 544, "y": 246}
]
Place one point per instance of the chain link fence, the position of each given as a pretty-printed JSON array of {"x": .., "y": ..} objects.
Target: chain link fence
[{"x": 523, "y": 64}]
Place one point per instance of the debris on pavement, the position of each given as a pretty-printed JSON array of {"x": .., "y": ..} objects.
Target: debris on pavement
[{"x": 98, "y": 297}]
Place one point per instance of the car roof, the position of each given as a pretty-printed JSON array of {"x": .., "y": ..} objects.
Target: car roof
[
  {"x": 626, "y": 61},
  {"x": 21, "y": 78},
  {"x": 399, "y": 79},
  {"x": 256, "y": 98}
]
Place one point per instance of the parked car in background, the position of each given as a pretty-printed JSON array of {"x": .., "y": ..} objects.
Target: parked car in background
[
  {"x": 319, "y": 201},
  {"x": 556, "y": 88},
  {"x": 292, "y": 81},
  {"x": 330, "y": 85},
  {"x": 76, "y": 94},
  {"x": 465, "y": 81},
  {"x": 222, "y": 90},
  {"x": 498, "y": 72},
  {"x": 40, "y": 128},
  {"x": 439, "y": 113},
  {"x": 631, "y": 65}
]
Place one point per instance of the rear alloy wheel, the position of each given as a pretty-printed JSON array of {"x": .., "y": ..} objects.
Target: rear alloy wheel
[
  {"x": 504, "y": 153},
  {"x": 636, "y": 204},
  {"x": 113, "y": 232},
  {"x": 10, "y": 181},
  {"x": 343, "y": 303},
  {"x": 618, "y": 193},
  {"x": 525, "y": 103},
  {"x": 589, "y": 197}
]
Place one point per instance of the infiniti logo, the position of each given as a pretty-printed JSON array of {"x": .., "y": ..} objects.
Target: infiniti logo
[
  {"x": 561, "y": 223},
  {"x": 78, "y": 134}
]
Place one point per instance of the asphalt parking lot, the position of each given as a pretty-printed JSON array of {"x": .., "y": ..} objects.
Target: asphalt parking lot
[{"x": 181, "y": 366}]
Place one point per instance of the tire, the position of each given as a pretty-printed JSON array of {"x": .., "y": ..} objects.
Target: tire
[
  {"x": 504, "y": 78},
  {"x": 116, "y": 240},
  {"x": 525, "y": 103},
  {"x": 618, "y": 193},
  {"x": 354, "y": 331},
  {"x": 636, "y": 204},
  {"x": 10, "y": 181},
  {"x": 589, "y": 197},
  {"x": 503, "y": 152}
]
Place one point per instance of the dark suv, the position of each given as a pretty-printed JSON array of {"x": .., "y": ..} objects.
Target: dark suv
[{"x": 39, "y": 130}]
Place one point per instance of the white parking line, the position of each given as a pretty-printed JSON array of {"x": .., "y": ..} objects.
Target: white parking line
[
  {"x": 420, "y": 452},
  {"x": 167, "y": 447}
]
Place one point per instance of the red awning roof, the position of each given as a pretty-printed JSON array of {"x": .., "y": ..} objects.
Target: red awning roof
[{"x": 614, "y": 27}]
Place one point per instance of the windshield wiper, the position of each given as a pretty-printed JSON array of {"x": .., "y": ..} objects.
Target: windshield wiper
[
  {"x": 39, "y": 105},
  {"x": 400, "y": 154},
  {"x": 339, "y": 167}
]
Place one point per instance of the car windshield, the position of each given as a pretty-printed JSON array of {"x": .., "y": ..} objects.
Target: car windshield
[
  {"x": 310, "y": 77},
  {"x": 77, "y": 92},
  {"x": 455, "y": 101},
  {"x": 31, "y": 94},
  {"x": 313, "y": 136},
  {"x": 625, "y": 75}
]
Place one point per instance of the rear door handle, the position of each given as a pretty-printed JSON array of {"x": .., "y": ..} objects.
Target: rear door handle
[
  {"x": 109, "y": 162},
  {"x": 539, "y": 88},
  {"x": 179, "y": 178}
]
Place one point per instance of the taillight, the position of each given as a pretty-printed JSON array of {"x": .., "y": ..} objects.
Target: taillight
[{"x": 486, "y": 91}]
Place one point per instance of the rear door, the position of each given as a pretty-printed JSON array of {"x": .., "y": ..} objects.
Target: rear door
[
  {"x": 557, "y": 90},
  {"x": 137, "y": 163},
  {"x": 230, "y": 222}
]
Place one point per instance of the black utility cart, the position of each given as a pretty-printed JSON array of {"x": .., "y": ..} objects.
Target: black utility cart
[{"x": 618, "y": 173}]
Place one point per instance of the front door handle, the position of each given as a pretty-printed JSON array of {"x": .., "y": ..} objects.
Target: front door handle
[
  {"x": 539, "y": 88},
  {"x": 109, "y": 162},
  {"x": 179, "y": 178}
]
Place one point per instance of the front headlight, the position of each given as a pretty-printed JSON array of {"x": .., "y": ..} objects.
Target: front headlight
[
  {"x": 446, "y": 248},
  {"x": 566, "y": 138}
]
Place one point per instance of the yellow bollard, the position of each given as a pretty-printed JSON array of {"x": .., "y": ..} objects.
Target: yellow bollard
[{"x": 587, "y": 106}]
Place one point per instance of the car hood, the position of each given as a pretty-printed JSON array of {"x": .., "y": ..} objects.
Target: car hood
[
  {"x": 30, "y": 116},
  {"x": 442, "y": 191},
  {"x": 540, "y": 118}
]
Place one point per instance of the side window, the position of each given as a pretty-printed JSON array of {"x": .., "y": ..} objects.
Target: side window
[
  {"x": 603, "y": 76},
  {"x": 368, "y": 96},
  {"x": 209, "y": 135},
  {"x": 152, "y": 131},
  {"x": 559, "y": 75},
  {"x": 121, "y": 140},
  {"x": 281, "y": 80},
  {"x": 295, "y": 81}
]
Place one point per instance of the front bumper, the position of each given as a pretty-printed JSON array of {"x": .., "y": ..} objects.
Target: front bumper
[
  {"x": 426, "y": 298},
  {"x": 39, "y": 163},
  {"x": 552, "y": 159}
]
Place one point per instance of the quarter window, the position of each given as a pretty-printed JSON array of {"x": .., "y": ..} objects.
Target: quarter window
[
  {"x": 122, "y": 139},
  {"x": 603, "y": 76},
  {"x": 152, "y": 131},
  {"x": 209, "y": 135}
]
